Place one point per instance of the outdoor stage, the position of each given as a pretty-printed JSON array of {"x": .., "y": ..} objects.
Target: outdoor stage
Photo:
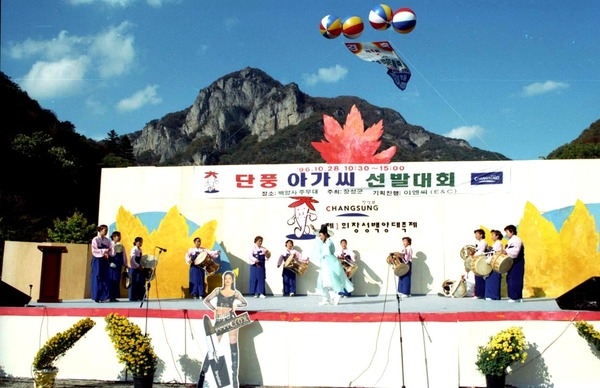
[{"x": 422, "y": 341}]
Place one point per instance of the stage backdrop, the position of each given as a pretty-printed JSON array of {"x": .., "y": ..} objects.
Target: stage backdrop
[{"x": 554, "y": 204}]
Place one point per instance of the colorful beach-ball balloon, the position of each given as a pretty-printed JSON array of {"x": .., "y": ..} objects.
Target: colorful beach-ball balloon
[
  {"x": 352, "y": 27},
  {"x": 404, "y": 20},
  {"x": 331, "y": 26},
  {"x": 380, "y": 17}
]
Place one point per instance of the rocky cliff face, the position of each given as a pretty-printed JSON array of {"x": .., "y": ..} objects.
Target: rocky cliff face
[
  {"x": 235, "y": 113},
  {"x": 249, "y": 99}
]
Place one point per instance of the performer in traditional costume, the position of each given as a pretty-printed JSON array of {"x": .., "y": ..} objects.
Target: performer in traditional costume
[
  {"x": 345, "y": 254},
  {"x": 197, "y": 273},
  {"x": 137, "y": 291},
  {"x": 115, "y": 267},
  {"x": 289, "y": 276},
  {"x": 404, "y": 281},
  {"x": 481, "y": 246},
  {"x": 101, "y": 250},
  {"x": 515, "y": 275},
  {"x": 493, "y": 281},
  {"x": 332, "y": 278},
  {"x": 258, "y": 271}
]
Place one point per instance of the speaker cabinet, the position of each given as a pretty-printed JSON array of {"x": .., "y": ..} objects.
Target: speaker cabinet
[
  {"x": 10, "y": 296},
  {"x": 585, "y": 296}
]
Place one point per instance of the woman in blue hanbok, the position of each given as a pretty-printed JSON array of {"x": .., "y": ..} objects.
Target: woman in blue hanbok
[
  {"x": 289, "y": 276},
  {"x": 258, "y": 271},
  {"x": 332, "y": 278},
  {"x": 515, "y": 275},
  {"x": 101, "y": 250},
  {"x": 197, "y": 273},
  {"x": 493, "y": 282},
  {"x": 115, "y": 267},
  {"x": 137, "y": 291}
]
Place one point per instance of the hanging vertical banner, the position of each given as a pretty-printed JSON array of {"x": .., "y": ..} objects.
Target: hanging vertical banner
[{"x": 384, "y": 54}]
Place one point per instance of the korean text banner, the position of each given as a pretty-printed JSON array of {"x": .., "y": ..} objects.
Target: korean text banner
[{"x": 390, "y": 180}]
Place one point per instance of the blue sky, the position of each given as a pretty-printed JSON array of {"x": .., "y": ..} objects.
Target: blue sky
[{"x": 519, "y": 77}]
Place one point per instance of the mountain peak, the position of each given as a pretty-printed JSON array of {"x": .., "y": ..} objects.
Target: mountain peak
[{"x": 247, "y": 107}]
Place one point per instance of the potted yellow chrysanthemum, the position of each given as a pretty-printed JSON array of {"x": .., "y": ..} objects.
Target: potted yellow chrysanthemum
[
  {"x": 44, "y": 368},
  {"x": 133, "y": 349},
  {"x": 587, "y": 332},
  {"x": 503, "y": 350}
]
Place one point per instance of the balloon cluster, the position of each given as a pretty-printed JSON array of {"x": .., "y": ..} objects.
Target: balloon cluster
[{"x": 381, "y": 17}]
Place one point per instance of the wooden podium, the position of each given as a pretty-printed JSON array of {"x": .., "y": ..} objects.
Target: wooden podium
[{"x": 50, "y": 278}]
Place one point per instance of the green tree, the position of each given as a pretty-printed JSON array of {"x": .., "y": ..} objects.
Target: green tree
[
  {"x": 112, "y": 160},
  {"x": 39, "y": 148},
  {"x": 32, "y": 146},
  {"x": 112, "y": 139},
  {"x": 576, "y": 151},
  {"x": 73, "y": 230},
  {"x": 119, "y": 151},
  {"x": 586, "y": 146},
  {"x": 125, "y": 149}
]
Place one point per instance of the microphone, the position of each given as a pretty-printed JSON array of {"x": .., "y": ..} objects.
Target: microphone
[{"x": 162, "y": 249}]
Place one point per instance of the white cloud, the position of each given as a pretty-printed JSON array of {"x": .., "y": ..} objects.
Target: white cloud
[
  {"x": 465, "y": 132},
  {"x": 55, "y": 49},
  {"x": 327, "y": 75},
  {"x": 537, "y": 88},
  {"x": 139, "y": 99},
  {"x": 61, "y": 64},
  {"x": 52, "y": 79},
  {"x": 113, "y": 51}
]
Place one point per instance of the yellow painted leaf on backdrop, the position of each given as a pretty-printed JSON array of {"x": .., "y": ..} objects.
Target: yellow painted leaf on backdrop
[
  {"x": 543, "y": 270},
  {"x": 130, "y": 227},
  {"x": 555, "y": 261},
  {"x": 172, "y": 271},
  {"x": 579, "y": 240}
]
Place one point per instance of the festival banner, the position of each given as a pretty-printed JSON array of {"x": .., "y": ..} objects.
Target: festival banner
[{"x": 371, "y": 180}]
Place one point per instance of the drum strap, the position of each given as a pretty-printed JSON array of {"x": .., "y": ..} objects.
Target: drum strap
[{"x": 193, "y": 258}]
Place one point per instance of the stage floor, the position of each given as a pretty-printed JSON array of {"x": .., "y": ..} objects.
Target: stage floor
[
  {"x": 444, "y": 332},
  {"x": 307, "y": 307}
]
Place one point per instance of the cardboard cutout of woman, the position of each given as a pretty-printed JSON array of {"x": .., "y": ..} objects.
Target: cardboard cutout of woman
[{"x": 223, "y": 301}]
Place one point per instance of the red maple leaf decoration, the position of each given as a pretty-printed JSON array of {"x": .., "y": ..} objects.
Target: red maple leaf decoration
[{"x": 352, "y": 144}]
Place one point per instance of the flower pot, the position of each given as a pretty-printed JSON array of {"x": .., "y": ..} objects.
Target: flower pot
[
  {"x": 45, "y": 378},
  {"x": 143, "y": 382},
  {"x": 492, "y": 381}
]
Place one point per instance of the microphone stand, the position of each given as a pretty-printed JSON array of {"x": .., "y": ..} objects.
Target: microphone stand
[
  {"x": 30, "y": 287},
  {"x": 399, "y": 300},
  {"x": 147, "y": 287},
  {"x": 424, "y": 331},
  {"x": 147, "y": 304}
]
